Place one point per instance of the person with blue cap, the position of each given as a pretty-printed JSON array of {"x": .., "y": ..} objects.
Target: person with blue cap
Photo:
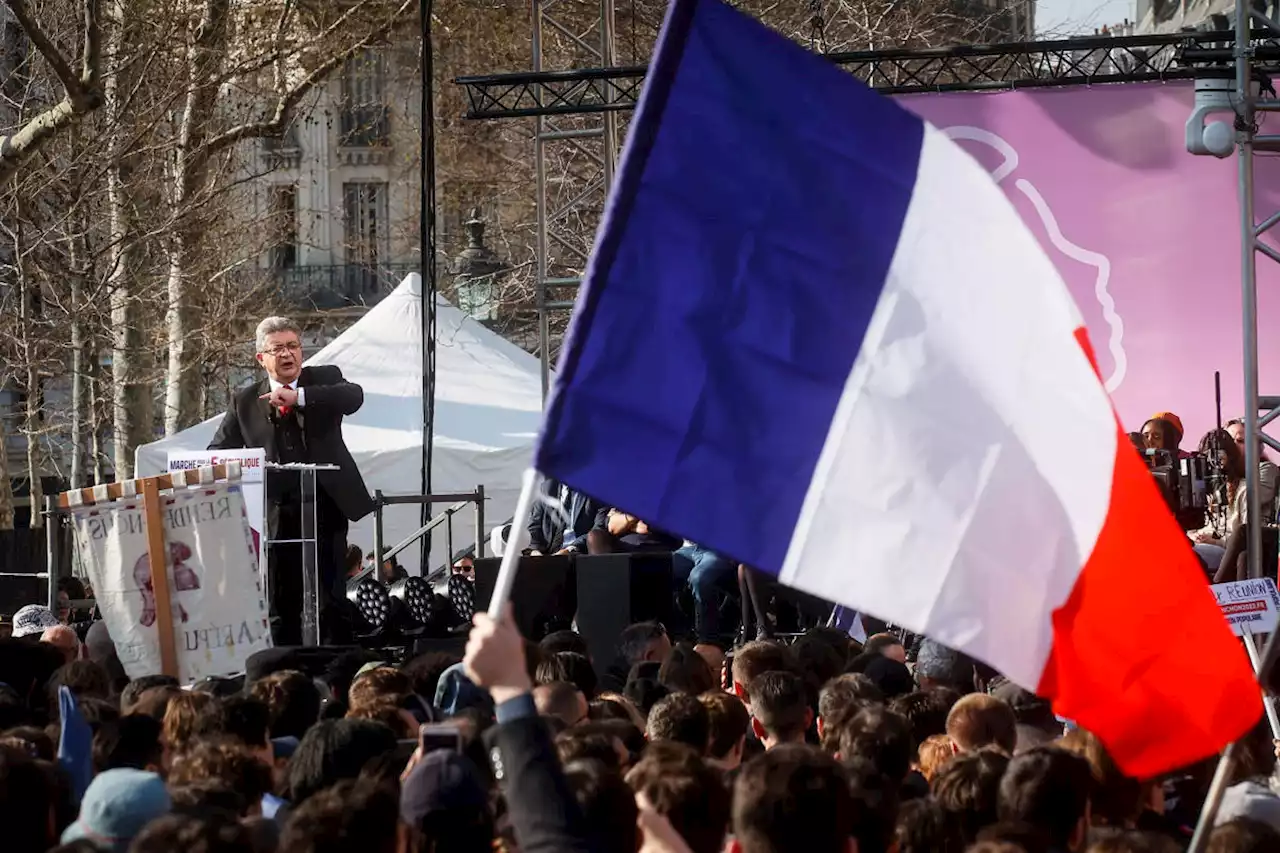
[{"x": 116, "y": 807}]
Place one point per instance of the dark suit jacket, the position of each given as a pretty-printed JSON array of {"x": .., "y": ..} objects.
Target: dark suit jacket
[
  {"x": 546, "y": 528},
  {"x": 328, "y": 397},
  {"x": 544, "y": 812}
]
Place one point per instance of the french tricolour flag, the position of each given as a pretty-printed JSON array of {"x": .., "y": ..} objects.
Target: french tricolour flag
[{"x": 815, "y": 336}]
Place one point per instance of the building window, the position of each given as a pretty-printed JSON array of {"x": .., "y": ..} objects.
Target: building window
[
  {"x": 364, "y": 122},
  {"x": 368, "y": 233},
  {"x": 283, "y": 211}
]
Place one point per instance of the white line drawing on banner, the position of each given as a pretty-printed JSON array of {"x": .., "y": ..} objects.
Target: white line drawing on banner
[{"x": 1102, "y": 279}]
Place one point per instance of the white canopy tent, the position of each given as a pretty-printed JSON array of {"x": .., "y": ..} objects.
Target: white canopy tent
[{"x": 488, "y": 408}]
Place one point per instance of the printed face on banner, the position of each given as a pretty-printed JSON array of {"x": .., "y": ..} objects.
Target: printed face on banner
[
  {"x": 219, "y": 610},
  {"x": 1145, "y": 235}
]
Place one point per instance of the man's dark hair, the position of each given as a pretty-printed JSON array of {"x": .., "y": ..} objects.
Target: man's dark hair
[
  {"x": 571, "y": 667},
  {"x": 923, "y": 828},
  {"x": 131, "y": 741},
  {"x": 565, "y": 641},
  {"x": 686, "y": 671},
  {"x": 876, "y": 797},
  {"x": 247, "y": 720},
  {"x": 206, "y": 796},
  {"x": 335, "y": 750},
  {"x": 634, "y": 641},
  {"x": 844, "y": 694},
  {"x": 968, "y": 788},
  {"x": 1109, "y": 839},
  {"x": 292, "y": 700},
  {"x": 684, "y": 789},
  {"x": 352, "y": 815},
  {"x": 84, "y": 678},
  {"x": 596, "y": 747},
  {"x": 780, "y": 703},
  {"x": 1244, "y": 835},
  {"x": 1046, "y": 787},
  {"x": 818, "y": 660},
  {"x": 134, "y": 689},
  {"x": 758, "y": 657},
  {"x": 789, "y": 793},
  {"x": 424, "y": 671},
  {"x": 608, "y": 806},
  {"x": 559, "y": 699},
  {"x": 154, "y": 701},
  {"x": 877, "y": 643},
  {"x": 223, "y": 760},
  {"x": 190, "y": 833},
  {"x": 880, "y": 736},
  {"x": 354, "y": 556},
  {"x": 730, "y": 722},
  {"x": 643, "y": 689},
  {"x": 925, "y": 711},
  {"x": 680, "y": 718},
  {"x": 27, "y": 794},
  {"x": 979, "y": 720}
]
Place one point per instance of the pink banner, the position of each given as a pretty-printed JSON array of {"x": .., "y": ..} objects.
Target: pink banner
[{"x": 1146, "y": 235}]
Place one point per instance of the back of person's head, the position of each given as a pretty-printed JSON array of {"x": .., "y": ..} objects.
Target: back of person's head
[
  {"x": 932, "y": 755},
  {"x": 424, "y": 671},
  {"x": 193, "y": 833},
  {"x": 334, "y": 750},
  {"x": 968, "y": 789},
  {"x": 292, "y": 700},
  {"x": 572, "y": 667},
  {"x": 13, "y": 708},
  {"x": 444, "y": 803},
  {"x": 1116, "y": 799},
  {"x": 885, "y": 644},
  {"x": 27, "y": 667},
  {"x": 564, "y": 641},
  {"x": 226, "y": 761},
  {"x": 818, "y": 660},
  {"x": 1244, "y": 835},
  {"x": 203, "y": 796},
  {"x": 27, "y": 799},
  {"x": 1116, "y": 840},
  {"x": 575, "y": 745},
  {"x": 134, "y": 689},
  {"x": 729, "y": 723},
  {"x": 890, "y": 675},
  {"x": 790, "y": 793},
  {"x": 247, "y": 721},
  {"x": 879, "y": 736},
  {"x": 680, "y": 718},
  {"x": 131, "y": 741},
  {"x": 923, "y": 828},
  {"x": 1048, "y": 788},
  {"x": 687, "y": 791},
  {"x": 380, "y": 685},
  {"x": 190, "y": 717},
  {"x": 608, "y": 806},
  {"x": 686, "y": 671},
  {"x": 642, "y": 688},
  {"x": 154, "y": 701},
  {"x": 926, "y": 711},
  {"x": 643, "y": 641},
  {"x": 84, "y": 678},
  {"x": 979, "y": 720},
  {"x": 842, "y": 696},
  {"x": 758, "y": 657},
  {"x": 615, "y": 706},
  {"x": 351, "y": 815},
  {"x": 561, "y": 700},
  {"x": 780, "y": 706}
]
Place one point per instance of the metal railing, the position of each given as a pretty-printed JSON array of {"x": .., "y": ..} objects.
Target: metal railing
[
  {"x": 334, "y": 286},
  {"x": 457, "y": 501}
]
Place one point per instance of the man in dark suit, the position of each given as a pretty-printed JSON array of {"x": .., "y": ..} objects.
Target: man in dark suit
[
  {"x": 295, "y": 415},
  {"x": 553, "y": 533}
]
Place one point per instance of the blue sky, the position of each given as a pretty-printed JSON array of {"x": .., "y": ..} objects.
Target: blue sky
[{"x": 1079, "y": 17}]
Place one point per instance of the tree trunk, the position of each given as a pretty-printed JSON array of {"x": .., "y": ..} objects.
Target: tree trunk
[
  {"x": 98, "y": 407},
  {"x": 81, "y": 357},
  {"x": 182, "y": 387},
  {"x": 32, "y": 427},
  {"x": 6, "y": 485},
  {"x": 132, "y": 396}
]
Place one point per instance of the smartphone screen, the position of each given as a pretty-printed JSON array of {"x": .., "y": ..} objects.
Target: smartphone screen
[{"x": 436, "y": 736}]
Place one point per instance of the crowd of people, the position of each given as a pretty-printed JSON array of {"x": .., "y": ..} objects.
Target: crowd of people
[{"x": 818, "y": 744}]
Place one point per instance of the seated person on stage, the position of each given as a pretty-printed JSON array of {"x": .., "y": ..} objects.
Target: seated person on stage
[
  {"x": 709, "y": 577},
  {"x": 551, "y": 533},
  {"x": 1163, "y": 431},
  {"x": 1226, "y": 511},
  {"x": 625, "y": 534}
]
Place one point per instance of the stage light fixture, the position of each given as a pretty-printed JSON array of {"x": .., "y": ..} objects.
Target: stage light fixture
[{"x": 418, "y": 598}]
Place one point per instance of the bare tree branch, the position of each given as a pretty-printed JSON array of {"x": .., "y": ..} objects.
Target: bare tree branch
[
  {"x": 83, "y": 93},
  {"x": 290, "y": 98}
]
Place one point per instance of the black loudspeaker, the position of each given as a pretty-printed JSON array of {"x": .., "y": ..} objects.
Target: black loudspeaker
[
  {"x": 313, "y": 661},
  {"x": 617, "y": 590},
  {"x": 544, "y": 596}
]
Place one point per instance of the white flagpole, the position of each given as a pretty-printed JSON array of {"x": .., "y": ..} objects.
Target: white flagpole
[{"x": 511, "y": 555}]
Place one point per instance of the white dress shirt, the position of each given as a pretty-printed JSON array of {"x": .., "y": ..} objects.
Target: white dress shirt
[{"x": 302, "y": 399}]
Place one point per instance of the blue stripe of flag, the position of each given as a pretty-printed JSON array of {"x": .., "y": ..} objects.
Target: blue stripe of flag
[{"x": 756, "y": 212}]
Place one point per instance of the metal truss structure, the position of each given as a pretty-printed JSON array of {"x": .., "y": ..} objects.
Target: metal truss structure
[{"x": 578, "y": 109}]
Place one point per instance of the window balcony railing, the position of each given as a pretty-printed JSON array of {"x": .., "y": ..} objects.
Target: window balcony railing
[
  {"x": 335, "y": 286},
  {"x": 366, "y": 126}
]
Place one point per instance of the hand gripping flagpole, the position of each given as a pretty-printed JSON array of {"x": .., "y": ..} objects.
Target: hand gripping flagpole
[{"x": 511, "y": 556}]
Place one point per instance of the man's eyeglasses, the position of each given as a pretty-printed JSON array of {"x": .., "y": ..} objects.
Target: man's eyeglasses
[{"x": 283, "y": 348}]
